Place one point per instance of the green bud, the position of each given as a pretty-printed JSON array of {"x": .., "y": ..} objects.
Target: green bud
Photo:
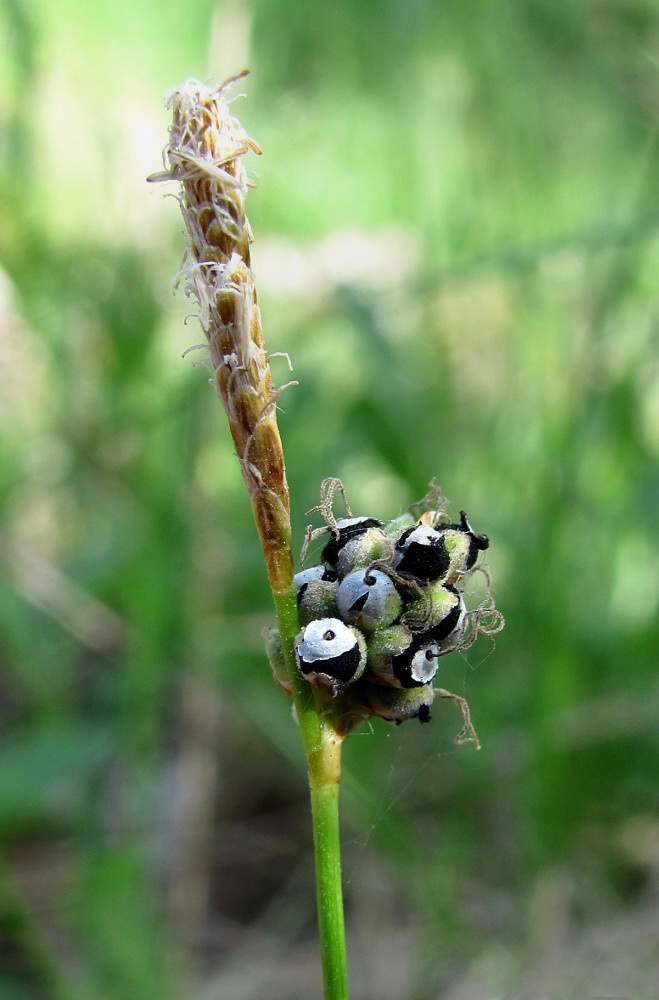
[
  {"x": 394, "y": 529},
  {"x": 363, "y": 550},
  {"x": 318, "y": 600},
  {"x": 275, "y": 651},
  {"x": 395, "y": 705},
  {"x": 382, "y": 646},
  {"x": 436, "y": 605}
]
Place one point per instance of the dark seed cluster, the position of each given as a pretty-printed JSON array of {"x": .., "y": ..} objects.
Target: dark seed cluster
[{"x": 384, "y": 605}]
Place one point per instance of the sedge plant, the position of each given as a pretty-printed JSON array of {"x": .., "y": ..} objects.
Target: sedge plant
[{"x": 360, "y": 634}]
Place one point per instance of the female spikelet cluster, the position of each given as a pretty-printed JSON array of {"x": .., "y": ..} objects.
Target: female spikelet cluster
[
  {"x": 383, "y": 607},
  {"x": 204, "y": 153}
]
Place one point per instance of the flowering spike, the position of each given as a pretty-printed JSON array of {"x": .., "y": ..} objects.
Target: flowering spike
[{"x": 204, "y": 153}]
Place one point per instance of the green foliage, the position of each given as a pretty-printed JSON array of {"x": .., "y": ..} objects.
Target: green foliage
[{"x": 502, "y": 338}]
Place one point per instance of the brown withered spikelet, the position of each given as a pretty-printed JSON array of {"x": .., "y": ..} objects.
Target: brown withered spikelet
[{"x": 204, "y": 153}]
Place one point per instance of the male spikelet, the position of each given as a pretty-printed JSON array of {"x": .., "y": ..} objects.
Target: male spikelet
[{"x": 204, "y": 153}]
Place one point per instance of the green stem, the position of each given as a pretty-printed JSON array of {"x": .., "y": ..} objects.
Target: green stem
[
  {"x": 327, "y": 852},
  {"x": 322, "y": 746}
]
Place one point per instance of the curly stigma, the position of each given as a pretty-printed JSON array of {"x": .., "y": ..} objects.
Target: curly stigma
[{"x": 204, "y": 153}]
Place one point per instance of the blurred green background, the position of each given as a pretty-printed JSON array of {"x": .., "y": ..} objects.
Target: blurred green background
[{"x": 456, "y": 228}]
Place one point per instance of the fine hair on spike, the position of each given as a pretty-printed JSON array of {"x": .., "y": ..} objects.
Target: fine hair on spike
[
  {"x": 310, "y": 535},
  {"x": 328, "y": 488},
  {"x": 207, "y": 365},
  {"x": 230, "y": 81},
  {"x": 485, "y": 618},
  {"x": 282, "y": 354},
  {"x": 195, "y": 347},
  {"x": 282, "y": 388},
  {"x": 467, "y": 734},
  {"x": 433, "y": 505}
]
